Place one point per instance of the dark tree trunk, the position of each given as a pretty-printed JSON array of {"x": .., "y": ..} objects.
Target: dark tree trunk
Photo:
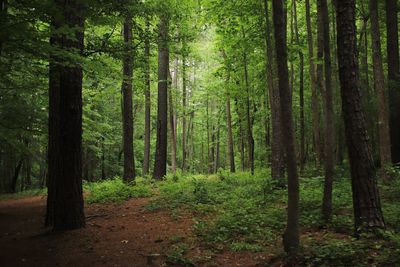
[
  {"x": 147, "y": 129},
  {"x": 314, "y": 91},
  {"x": 277, "y": 165},
  {"x": 379, "y": 81},
  {"x": 65, "y": 205},
  {"x": 366, "y": 200},
  {"x": 393, "y": 59},
  {"x": 231, "y": 151},
  {"x": 301, "y": 92},
  {"x": 3, "y": 18},
  {"x": 127, "y": 108},
  {"x": 160, "y": 164},
  {"x": 329, "y": 115},
  {"x": 291, "y": 236},
  {"x": 15, "y": 177}
]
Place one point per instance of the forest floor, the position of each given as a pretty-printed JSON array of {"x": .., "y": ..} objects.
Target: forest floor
[
  {"x": 199, "y": 220},
  {"x": 116, "y": 235}
]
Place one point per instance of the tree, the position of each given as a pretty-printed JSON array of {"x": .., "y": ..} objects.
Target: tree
[
  {"x": 366, "y": 200},
  {"x": 65, "y": 200},
  {"x": 277, "y": 165},
  {"x": 379, "y": 82},
  {"x": 393, "y": 58},
  {"x": 314, "y": 92},
  {"x": 329, "y": 148},
  {"x": 160, "y": 164},
  {"x": 127, "y": 107},
  {"x": 291, "y": 238},
  {"x": 147, "y": 130}
]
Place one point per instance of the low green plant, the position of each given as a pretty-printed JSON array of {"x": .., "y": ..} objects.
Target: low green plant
[{"x": 116, "y": 190}]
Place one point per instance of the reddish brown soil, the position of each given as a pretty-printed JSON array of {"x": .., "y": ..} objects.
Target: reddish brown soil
[{"x": 116, "y": 235}]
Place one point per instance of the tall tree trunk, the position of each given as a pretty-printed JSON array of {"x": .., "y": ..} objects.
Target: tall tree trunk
[
  {"x": 302, "y": 125},
  {"x": 127, "y": 108},
  {"x": 3, "y": 19},
  {"x": 366, "y": 200},
  {"x": 379, "y": 81},
  {"x": 160, "y": 164},
  {"x": 184, "y": 104},
  {"x": 393, "y": 59},
  {"x": 172, "y": 122},
  {"x": 65, "y": 211},
  {"x": 291, "y": 238},
  {"x": 147, "y": 123},
  {"x": 15, "y": 177},
  {"x": 329, "y": 115},
  {"x": 314, "y": 88},
  {"x": 231, "y": 151},
  {"x": 277, "y": 165},
  {"x": 250, "y": 139}
]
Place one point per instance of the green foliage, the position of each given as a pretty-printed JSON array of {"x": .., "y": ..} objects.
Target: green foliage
[{"x": 116, "y": 190}]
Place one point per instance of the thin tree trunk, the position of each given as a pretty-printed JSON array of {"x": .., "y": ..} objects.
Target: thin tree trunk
[
  {"x": 379, "y": 81},
  {"x": 291, "y": 237},
  {"x": 250, "y": 139},
  {"x": 147, "y": 123},
  {"x": 231, "y": 151},
  {"x": 393, "y": 59},
  {"x": 314, "y": 90},
  {"x": 329, "y": 118},
  {"x": 302, "y": 125},
  {"x": 277, "y": 165},
  {"x": 366, "y": 200},
  {"x": 160, "y": 165},
  {"x": 184, "y": 104},
  {"x": 127, "y": 107},
  {"x": 172, "y": 124}
]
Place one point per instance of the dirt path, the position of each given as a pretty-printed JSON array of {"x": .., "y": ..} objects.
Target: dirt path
[{"x": 116, "y": 235}]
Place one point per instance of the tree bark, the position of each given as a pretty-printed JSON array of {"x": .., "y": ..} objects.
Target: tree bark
[
  {"x": 314, "y": 90},
  {"x": 65, "y": 205},
  {"x": 184, "y": 104},
  {"x": 366, "y": 200},
  {"x": 277, "y": 164},
  {"x": 172, "y": 121},
  {"x": 301, "y": 91},
  {"x": 291, "y": 238},
  {"x": 329, "y": 114},
  {"x": 147, "y": 123},
  {"x": 393, "y": 59},
  {"x": 160, "y": 165},
  {"x": 379, "y": 81},
  {"x": 127, "y": 108}
]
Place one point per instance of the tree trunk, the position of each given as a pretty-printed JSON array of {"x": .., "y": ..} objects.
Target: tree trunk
[
  {"x": 302, "y": 125},
  {"x": 231, "y": 151},
  {"x": 277, "y": 165},
  {"x": 184, "y": 103},
  {"x": 172, "y": 122},
  {"x": 15, "y": 177},
  {"x": 291, "y": 236},
  {"x": 329, "y": 149},
  {"x": 160, "y": 165},
  {"x": 379, "y": 81},
  {"x": 393, "y": 76},
  {"x": 147, "y": 123},
  {"x": 366, "y": 200},
  {"x": 65, "y": 204},
  {"x": 127, "y": 108},
  {"x": 314, "y": 90},
  {"x": 250, "y": 139}
]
